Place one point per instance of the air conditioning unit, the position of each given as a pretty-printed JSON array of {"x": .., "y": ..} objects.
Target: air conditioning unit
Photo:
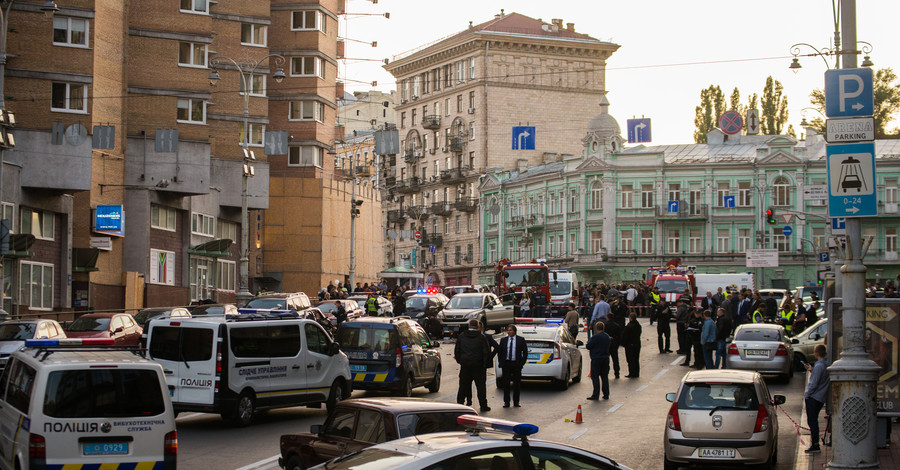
[
  {"x": 417, "y": 154},
  {"x": 444, "y": 149},
  {"x": 432, "y": 151},
  {"x": 404, "y": 255},
  {"x": 404, "y": 100},
  {"x": 415, "y": 97},
  {"x": 471, "y": 110}
]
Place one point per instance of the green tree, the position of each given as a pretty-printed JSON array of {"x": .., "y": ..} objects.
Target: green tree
[
  {"x": 706, "y": 116},
  {"x": 773, "y": 112},
  {"x": 886, "y": 94},
  {"x": 735, "y": 103}
]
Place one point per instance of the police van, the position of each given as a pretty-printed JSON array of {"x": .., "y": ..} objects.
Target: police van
[
  {"x": 239, "y": 365},
  {"x": 82, "y": 403}
]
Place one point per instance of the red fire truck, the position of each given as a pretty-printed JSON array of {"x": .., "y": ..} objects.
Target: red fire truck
[
  {"x": 672, "y": 280},
  {"x": 520, "y": 276}
]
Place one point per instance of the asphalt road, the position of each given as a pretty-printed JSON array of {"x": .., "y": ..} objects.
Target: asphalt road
[{"x": 627, "y": 428}]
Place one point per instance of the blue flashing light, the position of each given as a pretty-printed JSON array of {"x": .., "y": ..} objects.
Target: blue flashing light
[
  {"x": 553, "y": 320},
  {"x": 492, "y": 424},
  {"x": 41, "y": 343}
]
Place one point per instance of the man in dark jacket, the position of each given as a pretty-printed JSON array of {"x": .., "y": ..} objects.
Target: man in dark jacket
[
  {"x": 663, "y": 329},
  {"x": 472, "y": 353},
  {"x": 772, "y": 308},
  {"x": 598, "y": 346},
  {"x": 612, "y": 328},
  {"x": 723, "y": 330},
  {"x": 511, "y": 357},
  {"x": 694, "y": 328},
  {"x": 340, "y": 313},
  {"x": 682, "y": 315},
  {"x": 631, "y": 339}
]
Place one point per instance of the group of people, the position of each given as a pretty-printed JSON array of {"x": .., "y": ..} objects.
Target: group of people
[{"x": 475, "y": 351}]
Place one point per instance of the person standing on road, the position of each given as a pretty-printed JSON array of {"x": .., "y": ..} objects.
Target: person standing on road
[
  {"x": 571, "y": 320},
  {"x": 601, "y": 310},
  {"x": 682, "y": 316},
  {"x": 340, "y": 313},
  {"x": 723, "y": 330},
  {"x": 631, "y": 339},
  {"x": 372, "y": 306},
  {"x": 612, "y": 328},
  {"x": 771, "y": 305},
  {"x": 708, "y": 338},
  {"x": 472, "y": 352},
  {"x": 663, "y": 318},
  {"x": 598, "y": 346},
  {"x": 692, "y": 331},
  {"x": 815, "y": 396},
  {"x": 511, "y": 357}
]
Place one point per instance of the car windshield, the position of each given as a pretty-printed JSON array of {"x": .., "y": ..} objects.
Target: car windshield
[
  {"x": 327, "y": 307},
  {"x": 669, "y": 286},
  {"x": 16, "y": 331},
  {"x": 560, "y": 287},
  {"x": 416, "y": 303},
  {"x": 423, "y": 423},
  {"x": 466, "y": 302},
  {"x": 145, "y": 315},
  {"x": 267, "y": 303},
  {"x": 211, "y": 311},
  {"x": 757, "y": 334},
  {"x": 365, "y": 338},
  {"x": 526, "y": 276},
  {"x": 89, "y": 324},
  {"x": 706, "y": 396}
]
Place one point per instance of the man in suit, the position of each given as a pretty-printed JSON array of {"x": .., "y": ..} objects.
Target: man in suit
[
  {"x": 745, "y": 308},
  {"x": 511, "y": 357}
]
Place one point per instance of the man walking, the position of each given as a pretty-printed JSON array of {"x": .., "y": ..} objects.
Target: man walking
[
  {"x": 598, "y": 346},
  {"x": 511, "y": 358},
  {"x": 663, "y": 318},
  {"x": 815, "y": 396},
  {"x": 571, "y": 320},
  {"x": 723, "y": 329},
  {"x": 708, "y": 338},
  {"x": 472, "y": 353},
  {"x": 631, "y": 339},
  {"x": 612, "y": 328}
]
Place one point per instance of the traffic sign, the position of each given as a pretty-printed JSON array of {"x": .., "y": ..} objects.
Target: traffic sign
[
  {"x": 673, "y": 206},
  {"x": 848, "y": 92},
  {"x": 523, "y": 138},
  {"x": 432, "y": 248},
  {"x": 815, "y": 192},
  {"x": 752, "y": 121},
  {"x": 728, "y": 202},
  {"x": 787, "y": 231},
  {"x": 824, "y": 257},
  {"x": 762, "y": 258},
  {"x": 853, "y": 129},
  {"x": 730, "y": 122},
  {"x": 838, "y": 226},
  {"x": 418, "y": 234},
  {"x": 851, "y": 180},
  {"x": 787, "y": 218},
  {"x": 638, "y": 130}
]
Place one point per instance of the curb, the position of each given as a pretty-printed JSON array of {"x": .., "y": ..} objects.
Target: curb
[{"x": 803, "y": 460}]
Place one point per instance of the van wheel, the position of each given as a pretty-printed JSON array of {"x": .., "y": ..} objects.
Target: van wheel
[
  {"x": 406, "y": 391},
  {"x": 334, "y": 396},
  {"x": 294, "y": 463},
  {"x": 244, "y": 410},
  {"x": 435, "y": 384}
]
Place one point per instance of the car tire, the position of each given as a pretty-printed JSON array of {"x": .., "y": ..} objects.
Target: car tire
[
  {"x": 772, "y": 463},
  {"x": 335, "y": 395},
  {"x": 799, "y": 359},
  {"x": 244, "y": 410},
  {"x": 406, "y": 390},
  {"x": 564, "y": 383},
  {"x": 294, "y": 463},
  {"x": 669, "y": 465},
  {"x": 435, "y": 384},
  {"x": 577, "y": 377}
]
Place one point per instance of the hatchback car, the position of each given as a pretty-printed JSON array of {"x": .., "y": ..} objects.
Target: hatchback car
[
  {"x": 363, "y": 422},
  {"x": 121, "y": 327},
  {"x": 159, "y": 313},
  {"x": 280, "y": 301},
  {"x": 552, "y": 352},
  {"x": 721, "y": 417},
  {"x": 14, "y": 333},
  {"x": 393, "y": 354},
  {"x": 761, "y": 347}
]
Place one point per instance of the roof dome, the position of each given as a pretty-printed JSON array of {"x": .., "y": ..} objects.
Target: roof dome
[{"x": 604, "y": 123}]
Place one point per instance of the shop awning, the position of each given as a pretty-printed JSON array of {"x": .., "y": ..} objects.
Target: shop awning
[
  {"x": 212, "y": 249},
  {"x": 84, "y": 260}
]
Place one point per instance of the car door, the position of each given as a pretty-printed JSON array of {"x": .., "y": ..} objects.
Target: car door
[
  {"x": 507, "y": 312},
  {"x": 431, "y": 357},
  {"x": 286, "y": 370},
  {"x": 117, "y": 330},
  {"x": 320, "y": 366},
  {"x": 336, "y": 438},
  {"x": 132, "y": 331}
]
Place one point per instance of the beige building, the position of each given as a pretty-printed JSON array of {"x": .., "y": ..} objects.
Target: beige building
[
  {"x": 365, "y": 111},
  {"x": 511, "y": 92}
]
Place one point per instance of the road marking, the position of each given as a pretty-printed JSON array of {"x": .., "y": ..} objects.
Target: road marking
[
  {"x": 265, "y": 463},
  {"x": 660, "y": 374},
  {"x": 614, "y": 408},
  {"x": 577, "y": 434},
  {"x": 642, "y": 388},
  {"x": 676, "y": 361}
]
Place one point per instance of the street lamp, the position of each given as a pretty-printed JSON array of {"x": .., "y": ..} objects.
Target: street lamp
[{"x": 246, "y": 68}]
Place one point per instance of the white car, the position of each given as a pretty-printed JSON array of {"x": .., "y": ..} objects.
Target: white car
[
  {"x": 552, "y": 352},
  {"x": 488, "y": 444}
]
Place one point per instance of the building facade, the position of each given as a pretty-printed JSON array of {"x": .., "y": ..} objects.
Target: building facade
[
  {"x": 460, "y": 102},
  {"x": 612, "y": 212},
  {"x": 365, "y": 111}
]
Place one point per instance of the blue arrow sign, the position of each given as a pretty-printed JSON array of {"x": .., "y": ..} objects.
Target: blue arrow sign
[
  {"x": 848, "y": 92},
  {"x": 523, "y": 138},
  {"x": 851, "y": 180},
  {"x": 638, "y": 130},
  {"x": 728, "y": 202},
  {"x": 787, "y": 231},
  {"x": 673, "y": 206}
]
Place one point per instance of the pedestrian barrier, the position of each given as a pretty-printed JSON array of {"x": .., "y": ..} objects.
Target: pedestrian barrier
[
  {"x": 798, "y": 427},
  {"x": 578, "y": 416}
]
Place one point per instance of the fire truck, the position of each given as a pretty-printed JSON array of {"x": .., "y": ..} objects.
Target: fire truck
[
  {"x": 518, "y": 277},
  {"x": 672, "y": 281}
]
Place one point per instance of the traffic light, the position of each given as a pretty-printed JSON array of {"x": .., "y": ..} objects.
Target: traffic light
[
  {"x": 770, "y": 216},
  {"x": 354, "y": 207}
]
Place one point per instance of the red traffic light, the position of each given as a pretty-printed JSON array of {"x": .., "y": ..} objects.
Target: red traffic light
[{"x": 770, "y": 217}]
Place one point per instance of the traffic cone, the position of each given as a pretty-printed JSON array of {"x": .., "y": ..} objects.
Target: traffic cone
[{"x": 578, "y": 418}]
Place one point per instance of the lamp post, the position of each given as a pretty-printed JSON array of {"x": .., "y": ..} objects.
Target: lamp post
[{"x": 246, "y": 68}]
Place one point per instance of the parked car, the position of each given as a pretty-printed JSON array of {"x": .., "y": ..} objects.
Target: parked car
[
  {"x": 350, "y": 306},
  {"x": 393, "y": 354},
  {"x": 484, "y": 307},
  {"x": 280, "y": 301},
  {"x": 14, "y": 333},
  {"x": 721, "y": 417},
  {"x": 359, "y": 423},
  {"x": 806, "y": 293},
  {"x": 313, "y": 313},
  {"x": 427, "y": 309},
  {"x": 215, "y": 310},
  {"x": 805, "y": 342},
  {"x": 552, "y": 352},
  {"x": 159, "y": 313},
  {"x": 121, "y": 327},
  {"x": 385, "y": 307},
  {"x": 761, "y": 347}
]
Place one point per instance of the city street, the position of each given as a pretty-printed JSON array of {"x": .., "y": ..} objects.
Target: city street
[{"x": 628, "y": 428}]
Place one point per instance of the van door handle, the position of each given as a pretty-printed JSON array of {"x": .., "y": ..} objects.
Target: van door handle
[
  {"x": 168, "y": 372},
  {"x": 295, "y": 367},
  {"x": 310, "y": 366}
]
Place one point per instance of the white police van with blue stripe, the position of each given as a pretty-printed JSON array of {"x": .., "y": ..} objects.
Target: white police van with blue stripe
[{"x": 258, "y": 360}]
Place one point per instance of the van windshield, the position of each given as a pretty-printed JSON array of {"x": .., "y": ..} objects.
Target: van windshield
[
  {"x": 103, "y": 393},
  {"x": 181, "y": 343},
  {"x": 560, "y": 287},
  {"x": 367, "y": 338}
]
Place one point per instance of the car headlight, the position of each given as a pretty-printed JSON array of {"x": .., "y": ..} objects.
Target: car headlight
[{"x": 473, "y": 314}]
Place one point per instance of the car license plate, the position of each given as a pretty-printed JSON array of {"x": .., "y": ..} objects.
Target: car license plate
[
  {"x": 716, "y": 453},
  {"x": 757, "y": 352},
  {"x": 533, "y": 356},
  {"x": 358, "y": 367},
  {"x": 105, "y": 448}
]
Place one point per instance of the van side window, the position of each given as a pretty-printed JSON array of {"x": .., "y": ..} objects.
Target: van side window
[
  {"x": 249, "y": 342},
  {"x": 284, "y": 341},
  {"x": 18, "y": 391},
  {"x": 407, "y": 335},
  {"x": 316, "y": 340},
  {"x": 172, "y": 343}
]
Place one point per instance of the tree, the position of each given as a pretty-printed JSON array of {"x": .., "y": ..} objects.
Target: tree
[
  {"x": 735, "y": 103},
  {"x": 774, "y": 112},
  {"x": 886, "y": 96},
  {"x": 706, "y": 116}
]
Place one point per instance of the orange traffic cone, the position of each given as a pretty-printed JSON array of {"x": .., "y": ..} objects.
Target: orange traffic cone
[{"x": 578, "y": 418}]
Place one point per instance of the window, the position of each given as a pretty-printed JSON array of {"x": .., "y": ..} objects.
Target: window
[
  {"x": 472, "y": 70},
  {"x": 469, "y": 225},
  {"x": 253, "y": 34},
  {"x": 674, "y": 241},
  {"x": 573, "y": 201},
  {"x": 202, "y": 224},
  {"x": 20, "y": 378},
  {"x": 744, "y": 194},
  {"x": 447, "y": 256},
  {"x": 695, "y": 241},
  {"x": 225, "y": 275},
  {"x": 370, "y": 426},
  {"x": 722, "y": 190},
  {"x": 70, "y": 31},
  {"x": 195, "y": 6},
  {"x": 560, "y": 241},
  {"x": 257, "y": 85},
  {"x": 102, "y": 394},
  {"x": 192, "y": 54},
  {"x": 457, "y": 258},
  {"x": 472, "y": 100},
  {"x": 471, "y": 133},
  {"x": 890, "y": 191},
  {"x": 627, "y": 201},
  {"x": 413, "y": 120},
  {"x": 626, "y": 239},
  {"x": 596, "y": 197},
  {"x": 402, "y": 119},
  {"x": 674, "y": 191},
  {"x": 647, "y": 242},
  {"x": 226, "y": 229},
  {"x": 36, "y": 285},
  {"x": 8, "y": 212},
  {"x": 596, "y": 241},
  {"x": 38, "y": 223},
  {"x": 436, "y": 78},
  {"x": 890, "y": 239},
  {"x": 743, "y": 240},
  {"x": 308, "y": 20},
  {"x": 458, "y": 224},
  {"x": 458, "y": 103},
  {"x": 647, "y": 198},
  {"x": 191, "y": 111},
  {"x": 68, "y": 97},
  {"x": 426, "y": 86},
  {"x": 446, "y": 226},
  {"x": 305, "y": 155},
  {"x": 308, "y": 67},
  {"x": 446, "y": 106},
  {"x": 779, "y": 240},
  {"x": 722, "y": 240},
  {"x": 307, "y": 110},
  {"x": 781, "y": 193},
  {"x": 162, "y": 217},
  {"x": 256, "y": 134}
]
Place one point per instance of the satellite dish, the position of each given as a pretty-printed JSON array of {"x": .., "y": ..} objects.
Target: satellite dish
[{"x": 495, "y": 209}]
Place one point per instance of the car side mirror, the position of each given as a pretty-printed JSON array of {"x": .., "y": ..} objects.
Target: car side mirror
[
  {"x": 778, "y": 400},
  {"x": 334, "y": 348},
  {"x": 814, "y": 336},
  {"x": 795, "y": 341},
  {"x": 315, "y": 429},
  {"x": 670, "y": 397}
]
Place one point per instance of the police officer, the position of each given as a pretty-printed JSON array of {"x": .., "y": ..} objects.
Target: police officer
[
  {"x": 663, "y": 329},
  {"x": 340, "y": 313},
  {"x": 654, "y": 301},
  {"x": 614, "y": 330},
  {"x": 787, "y": 318},
  {"x": 759, "y": 315}
]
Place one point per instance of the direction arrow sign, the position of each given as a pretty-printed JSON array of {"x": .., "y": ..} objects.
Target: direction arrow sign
[
  {"x": 787, "y": 231},
  {"x": 880, "y": 314},
  {"x": 815, "y": 192},
  {"x": 523, "y": 138},
  {"x": 752, "y": 121},
  {"x": 638, "y": 130},
  {"x": 851, "y": 180},
  {"x": 848, "y": 92}
]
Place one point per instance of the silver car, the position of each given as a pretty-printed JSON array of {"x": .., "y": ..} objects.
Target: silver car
[
  {"x": 721, "y": 417},
  {"x": 552, "y": 353},
  {"x": 807, "y": 340},
  {"x": 14, "y": 333},
  {"x": 762, "y": 347}
]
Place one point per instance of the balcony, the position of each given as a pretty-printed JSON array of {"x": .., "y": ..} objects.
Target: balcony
[
  {"x": 467, "y": 204},
  {"x": 455, "y": 175},
  {"x": 888, "y": 209},
  {"x": 416, "y": 212},
  {"x": 363, "y": 170},
  {"x": 390, "y": 160},
  {"x": 517, "y": 222},
  {"x": 409, "y": 185},
  {"x": 395, "y": 216},
  {"x": 390, "y": 181},
  {"x": 457, "y": 144},
  {"x": 535, "y": 221},
  {"x": 685, "y": 211},
  {"x": 436, "y": 240},
  {"x": 441, "y": 208},
  {"x": 431, "y": 121},
  {"x": 411, "y": 155}
]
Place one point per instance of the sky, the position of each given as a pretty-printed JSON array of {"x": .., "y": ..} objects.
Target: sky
[{"x": 669, "y": 51}]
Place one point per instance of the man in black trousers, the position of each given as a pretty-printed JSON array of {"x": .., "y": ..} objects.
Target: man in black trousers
[
  {"x": 511, "y": 357},
  {"x": 614, "y": 331},
  {"x": 682, "y": 315},
  {"x": 663, "y": 330},
  {"x": 631, "y": 339},
  {"x": 472, "y": 352}
]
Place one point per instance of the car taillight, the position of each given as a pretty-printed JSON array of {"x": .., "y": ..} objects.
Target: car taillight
[
  {"x": 782, "y": 351},
  {"x": 170, "y": 443},
  {"x": 732, "y": 349},
  {"x": 672, "y": 421},
  {"x": 399, "y": 357},
  {"x": 37, "y": 446},
  {"x": 219, "y": 358},
  {"x": 762, "y": 420},
  {"x": 556, "y": 352}
]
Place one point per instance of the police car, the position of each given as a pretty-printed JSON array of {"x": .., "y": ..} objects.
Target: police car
[
  {"x": 486, "y": 444},
  {"x": 552, "y": 352}
]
